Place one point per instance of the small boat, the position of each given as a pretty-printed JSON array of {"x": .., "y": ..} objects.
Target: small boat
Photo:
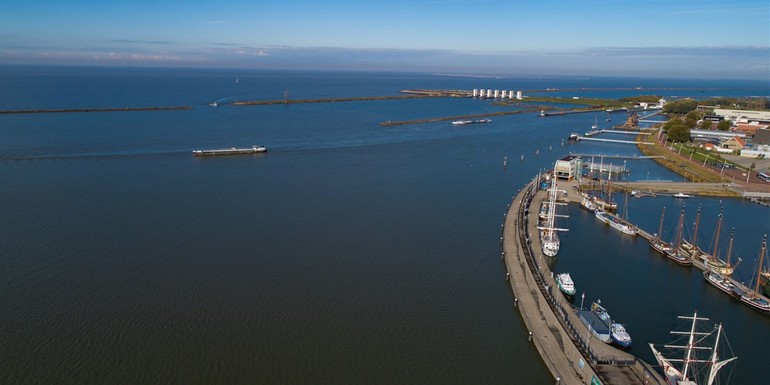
[
  {"x": 588, "y": 204},
  {"x": 681, "y": 195},
  {"x": 620, "y": 336},
  {"x": 596, "y": 124},
  {"x": 574, "y": 136},
  {"x": 719, "y": 281},
  {"x": 462, "y": 122},
  {"x": 231, "y": 151},
  {"x": 701, "y": 361},
  {"x": 213, "y": 104},
  {"x": 592, "y": 133},
  {"x": 564, "y": 281}
]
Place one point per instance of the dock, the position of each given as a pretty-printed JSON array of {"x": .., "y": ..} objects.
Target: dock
[
  {"x": 581, "y": 138},
  {"x": 569, "y": 350}
]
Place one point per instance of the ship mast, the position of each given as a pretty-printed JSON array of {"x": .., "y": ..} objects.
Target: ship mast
[
  {"x": 759, "y": 266},
  {"x": 695, "y": 232},
  {"x": 730, "y": 247},
  {"x": 717, "y": 365},
  {"x": 715, "y": 250},
  {"x": 660, "y": 226},
  {"x": 679, "y": 231}
]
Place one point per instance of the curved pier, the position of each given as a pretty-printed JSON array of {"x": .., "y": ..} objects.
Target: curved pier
[{"x": 569, "y": 350}]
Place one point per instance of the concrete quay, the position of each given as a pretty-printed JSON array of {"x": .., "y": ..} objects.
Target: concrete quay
[{"x": 569, "y": 350}]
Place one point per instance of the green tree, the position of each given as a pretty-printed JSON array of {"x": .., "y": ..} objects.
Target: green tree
[
  {"x": 680, "y": 106},
  {"x": 691, "y": 119},
  {"x": 679, "y": 133},
  {"x": 724, "y": 125}
]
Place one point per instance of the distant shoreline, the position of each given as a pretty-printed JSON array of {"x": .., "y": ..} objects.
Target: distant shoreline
[{"x": 108, "y": 109}]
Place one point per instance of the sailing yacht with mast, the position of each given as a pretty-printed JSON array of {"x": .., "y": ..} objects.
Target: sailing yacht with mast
[
  {"x": 710, "y": 261},
  {"x": 692, "y": 362},
  {"x": 717, "y": 279},
  {"x": 675, "y": 253},
  {"x": 657, "y": 243},
  {"x": 549, "y": 238},
  {"x": 752, "y": 297}
]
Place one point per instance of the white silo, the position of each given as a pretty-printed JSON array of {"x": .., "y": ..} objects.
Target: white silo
[
  {"x": 518, "y": 95},
  {"x": 510, "y": 94},
  {"x": 475, "y": 92},
  {"x": 489, "y": 93},
  {"x": 496, "y": 93},
  {"x": 503, "y": 93}
]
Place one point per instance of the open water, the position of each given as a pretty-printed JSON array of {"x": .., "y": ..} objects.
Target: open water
[{"x": 350, "y": 253}]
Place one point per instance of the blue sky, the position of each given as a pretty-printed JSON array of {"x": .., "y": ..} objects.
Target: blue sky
[{"x": 674, "y": 38}]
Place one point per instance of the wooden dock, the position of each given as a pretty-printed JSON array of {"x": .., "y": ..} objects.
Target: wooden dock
[{"x": 568, "y": 349}]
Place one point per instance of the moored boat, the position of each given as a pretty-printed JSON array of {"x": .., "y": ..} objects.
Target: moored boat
[
  {"x": 588, "y": 204},
  {"x": 701, "y": 364},
  {"x": 614, "y": 222},
  {"x": 681, "y": 195},
  {"x": 596, "y": 324},
  {"x": 752, "y": 296},
  {"x": 549, "y": 238},
  {"x": 719, "y": 281},
  {"x": 620, "y": 336},
  {"x": 565, "y": 283}
]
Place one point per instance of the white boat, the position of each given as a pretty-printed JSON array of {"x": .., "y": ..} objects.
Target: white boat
[
  {"x": 681, "y": 195},
  {"x": 698, "y": 364},
  {"x": 549, "y": 237},
  {"x": 588, "y": 204},
  {"x": 620, "y": 336},
  {"x": 461, "y": 122},
  {"x": 565, "y": 283},
  {"x": 614, "y": 222},
  {"x": 719, "y": 281}
]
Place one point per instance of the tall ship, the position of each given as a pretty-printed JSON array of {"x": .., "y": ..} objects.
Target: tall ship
[
  {"x": 657, "y": 243},
  {"x": 710, "y": 261},
  {"x": 675, "y": 252},
  {"x": 716, "y": 278},
  {"x": 696, "y": 361},
  {"x": 549, "y": 237},
  {"x": 752, "y": 296}
]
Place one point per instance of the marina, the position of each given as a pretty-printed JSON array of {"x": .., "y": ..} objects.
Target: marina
[{"x": 419, "y": 295}]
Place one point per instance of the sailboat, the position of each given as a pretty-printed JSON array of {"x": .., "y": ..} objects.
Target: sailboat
[
  {"x": 710, "y": 261},
  {"x": 657, "y": 243},
  {"x": 752, "y": 297},
  {"x": 676, "y": 254},
  {"x": 549, "y": 238},
  {"x": 718, "y": 280},
  {"x": 596, "y": 123},
  {"x": 696, "y": 360}
]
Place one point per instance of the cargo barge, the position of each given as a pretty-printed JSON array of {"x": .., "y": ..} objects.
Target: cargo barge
[{"x": 231, "y": 151}]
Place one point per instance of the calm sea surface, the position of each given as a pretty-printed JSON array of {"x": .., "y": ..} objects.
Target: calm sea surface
[{"x": 351, "y": 253}]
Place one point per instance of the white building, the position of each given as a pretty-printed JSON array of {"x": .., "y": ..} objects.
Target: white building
[{"x": 743, "y": 116}]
